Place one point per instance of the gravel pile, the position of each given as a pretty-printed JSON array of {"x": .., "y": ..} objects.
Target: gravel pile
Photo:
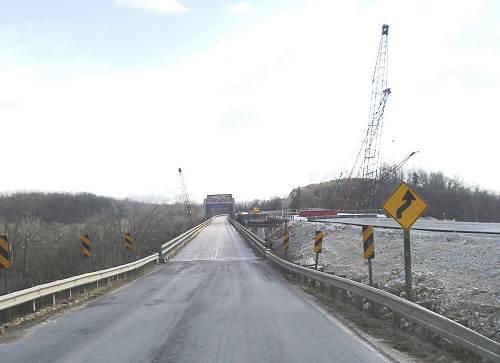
[{"x": 454, "y": 274}]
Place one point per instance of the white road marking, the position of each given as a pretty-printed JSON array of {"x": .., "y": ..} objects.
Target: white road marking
[
  {"x": 216, "y": 251},
  {"x": 228, "y": 259}
]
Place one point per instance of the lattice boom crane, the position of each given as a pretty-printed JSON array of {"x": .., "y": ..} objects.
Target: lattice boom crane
[
  {"x": 368, "y": 168},
  {"x": 380, "y": 93},
  {"x": 185, "y": 196}
]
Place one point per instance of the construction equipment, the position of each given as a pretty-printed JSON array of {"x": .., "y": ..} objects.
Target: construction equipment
[
  {"x": 367, "y": 169},
  {"x": 185, "y": 197},
  {"x": 398, "y": 166},
  {"x": 385, "y": 174}
]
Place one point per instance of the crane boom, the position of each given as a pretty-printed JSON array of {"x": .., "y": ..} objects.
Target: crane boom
[
  {"x": 396, "y": 167},
  {"x": 367, "y": 169},
  {"x": 379, "y": 96},
  {"x": 185, "y": 196}
]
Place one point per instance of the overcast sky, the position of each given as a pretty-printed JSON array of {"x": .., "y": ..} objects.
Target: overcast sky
[{"x": 251, "y": 98}]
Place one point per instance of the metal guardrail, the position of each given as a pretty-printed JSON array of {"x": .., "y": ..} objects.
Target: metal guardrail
[
  {"x": 36, "y": 292},
  {"x": 170, "y": 248},
  {"x": 415, "y": 313},
  {"x": 51, "y": 288}
]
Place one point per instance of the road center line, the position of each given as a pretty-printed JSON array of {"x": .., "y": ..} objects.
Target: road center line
[{"x": 216, "y": 251}]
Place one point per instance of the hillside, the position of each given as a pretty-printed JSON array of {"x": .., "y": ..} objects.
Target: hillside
[
  {"x": 56, "y": 207},
  {"x": 449, "y": 198}
]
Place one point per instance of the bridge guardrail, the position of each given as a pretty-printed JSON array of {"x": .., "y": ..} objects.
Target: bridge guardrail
[
  {"x": 31, "y": 294},
  {"x": 170, "y": 248},
  {"x": 438, "y": 324},
  {"x": 51, "y": 288}
]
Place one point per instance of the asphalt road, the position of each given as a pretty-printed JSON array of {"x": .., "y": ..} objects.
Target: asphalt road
[
  {"x": 215, "y": 302},
  {"x": 421, "y": 224}
]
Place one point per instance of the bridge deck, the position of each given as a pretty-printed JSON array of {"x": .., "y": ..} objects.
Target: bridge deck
[{"x": 215, "y": 302}]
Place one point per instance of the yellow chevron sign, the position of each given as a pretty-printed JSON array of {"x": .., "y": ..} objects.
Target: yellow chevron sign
[
  {"x": 405, "y": 205},
  {"x": 318, "y": 241},
  {"x": 4, "y": 252},
  {"x": 84, "y": 238},
  {"x": 286, "y": 240},
  {"x": 127, "y": 241},
  {"x": 368, "y": 245}
]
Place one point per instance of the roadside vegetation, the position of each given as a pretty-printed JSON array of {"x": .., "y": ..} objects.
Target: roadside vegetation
[{"x": 43, "y": 231}]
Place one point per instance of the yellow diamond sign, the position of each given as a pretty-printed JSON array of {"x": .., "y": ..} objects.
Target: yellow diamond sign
[{"x": 405, "y": 205}]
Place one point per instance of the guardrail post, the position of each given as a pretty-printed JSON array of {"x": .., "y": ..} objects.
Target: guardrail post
[
  {"x": 305, "y": 280},
  {"x": 6, "y": 315},
  {"x": 343, "y": 293},
  {"x": 396, "y": 320},
  {"x": 69, "y": 293},
  {"x": 333, "y": 291},
  {"x": 374, "y": 307},
  {"x": 322, "y": 288},
  {"x": 358, "y": 302},
  {"x": 33, "y": 305},
  {"x": 53, "y": 300},
  {"x": 426, "y": 334}
]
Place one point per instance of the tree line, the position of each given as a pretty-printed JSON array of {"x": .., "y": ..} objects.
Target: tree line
[
  {"x": 448, "y": 197},
  {"x": 274, "y": 203},
  {"x": 43, "y": 230}
]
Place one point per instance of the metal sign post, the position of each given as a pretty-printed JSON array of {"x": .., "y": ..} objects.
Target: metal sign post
[
  {"x": 407, "y": 252},
  {"x": 286, "y": 240},
  {"x": 370, "y": 274}
]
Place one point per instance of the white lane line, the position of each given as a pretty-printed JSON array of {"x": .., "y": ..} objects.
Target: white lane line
[
  {"x": 228, "y": 259},
  {"x": 216, "y": 251}
]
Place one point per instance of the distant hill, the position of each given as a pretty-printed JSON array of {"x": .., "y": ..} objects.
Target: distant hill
[{"x": 56, "y": 207}]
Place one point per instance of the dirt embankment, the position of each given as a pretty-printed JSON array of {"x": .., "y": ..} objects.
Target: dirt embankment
[{"x": 454, "y": 274}]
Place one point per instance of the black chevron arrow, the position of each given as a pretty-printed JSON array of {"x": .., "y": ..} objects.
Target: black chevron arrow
[{"x": 408, "y": 198}]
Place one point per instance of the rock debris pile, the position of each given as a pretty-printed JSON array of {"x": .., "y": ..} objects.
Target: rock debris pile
[{"x": 454, "y": 274}]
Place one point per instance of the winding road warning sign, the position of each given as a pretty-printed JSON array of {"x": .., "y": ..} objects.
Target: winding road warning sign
[
  {"x": 318, "y": 241},
  {"x": 405, "y": 205}
]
